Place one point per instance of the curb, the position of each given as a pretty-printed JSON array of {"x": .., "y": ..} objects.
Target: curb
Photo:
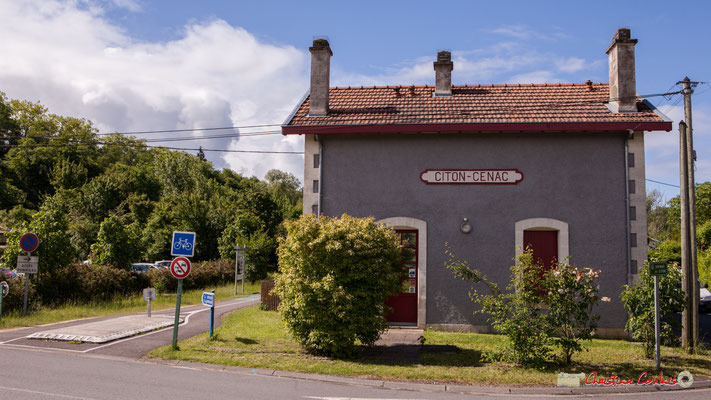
[{"x": 699, "y": 383}]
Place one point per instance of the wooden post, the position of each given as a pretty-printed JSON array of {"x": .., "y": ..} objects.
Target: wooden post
[
  {"x": 686, "y": 322},
  {"x": 693, "y": 264}
]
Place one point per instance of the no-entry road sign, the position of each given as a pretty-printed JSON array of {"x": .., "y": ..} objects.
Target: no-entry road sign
[
  {"x": 29, "y": 242},
  {"x": 180, "y": 267}
]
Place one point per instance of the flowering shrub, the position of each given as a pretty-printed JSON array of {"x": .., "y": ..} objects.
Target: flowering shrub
[
  {"x": 572, "y": 294},
  {"x": 539, "y": 309}
]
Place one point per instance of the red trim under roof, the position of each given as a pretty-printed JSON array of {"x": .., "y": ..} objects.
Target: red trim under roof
[{"x": 482, "y": 127}]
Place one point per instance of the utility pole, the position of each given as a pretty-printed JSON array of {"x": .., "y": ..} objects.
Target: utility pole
[
  {"x": 687, "y": 336},
  {"x": 691, "y": 283}
]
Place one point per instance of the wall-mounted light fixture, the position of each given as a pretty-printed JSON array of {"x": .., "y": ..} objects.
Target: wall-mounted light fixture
[{"x": 465, "y": 227}]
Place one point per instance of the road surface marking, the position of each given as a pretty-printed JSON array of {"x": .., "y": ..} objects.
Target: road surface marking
[
  {"x": 64, "y": 396},
  {"x": 185, "y": 322}
]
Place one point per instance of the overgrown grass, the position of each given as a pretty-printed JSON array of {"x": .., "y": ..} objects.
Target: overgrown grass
[
  {"x": 255, "y": 338},
  {"x": 118, "y": 305}
]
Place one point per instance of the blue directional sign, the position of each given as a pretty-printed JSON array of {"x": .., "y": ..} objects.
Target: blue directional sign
[
  {"x": 183, "y": 244},
  {"x": 208, "y": 299}
]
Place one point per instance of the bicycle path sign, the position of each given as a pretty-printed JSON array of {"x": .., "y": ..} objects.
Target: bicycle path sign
[{"x": 183, "y": 244}]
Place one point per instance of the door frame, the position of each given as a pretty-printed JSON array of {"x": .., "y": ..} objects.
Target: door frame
[{"x": 421, "y": 227}]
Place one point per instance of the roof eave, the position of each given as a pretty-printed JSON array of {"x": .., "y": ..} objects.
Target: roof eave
[{"x": 481, "y": 127}]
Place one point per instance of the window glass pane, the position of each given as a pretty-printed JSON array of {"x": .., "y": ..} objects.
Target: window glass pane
[
  {"x": 409, "y": 255},
  {"x": 409, "y": 239}
]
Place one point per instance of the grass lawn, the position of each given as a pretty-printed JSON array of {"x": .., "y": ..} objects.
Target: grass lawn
[
  {"x": 119, "y": 305},
  {"x": 254, "y": 338}
]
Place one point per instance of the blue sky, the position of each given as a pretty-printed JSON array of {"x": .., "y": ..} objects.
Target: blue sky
[{"x": 132, "y": 65}]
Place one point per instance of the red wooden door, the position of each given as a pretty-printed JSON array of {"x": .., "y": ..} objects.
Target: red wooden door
[
  {"x": 404, "y": 304},
  {"x": 544, "y": 245}
]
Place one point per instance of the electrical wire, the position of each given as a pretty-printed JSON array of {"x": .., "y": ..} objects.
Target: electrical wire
[
  {"x": 662, "y": 183},
  {"x": 187, "y": 130},
  {"x": 139, "y": 145}
]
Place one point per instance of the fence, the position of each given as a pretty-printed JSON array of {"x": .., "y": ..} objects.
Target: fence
[{"x": 269, "y": 301}]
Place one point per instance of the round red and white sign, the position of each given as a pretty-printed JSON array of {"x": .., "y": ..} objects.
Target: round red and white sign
[{"x": 180, "y": 267}]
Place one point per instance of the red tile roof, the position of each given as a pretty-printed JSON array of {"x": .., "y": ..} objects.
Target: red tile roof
[{"x": 521, "y": 107}]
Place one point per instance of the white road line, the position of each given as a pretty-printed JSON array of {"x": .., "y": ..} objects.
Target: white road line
[
  {"x": 63, "y": 396},
  {"x": 185, "y": 322}
]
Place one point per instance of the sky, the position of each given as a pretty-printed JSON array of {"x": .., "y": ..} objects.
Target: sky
[{"x": 140, "y": 65}]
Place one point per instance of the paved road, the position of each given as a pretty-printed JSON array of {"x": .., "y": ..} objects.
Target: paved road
[
  {"x": 33, "y": 373},
  {"x": 197, "y": 320},
  {"x": 56, "y": 370}
]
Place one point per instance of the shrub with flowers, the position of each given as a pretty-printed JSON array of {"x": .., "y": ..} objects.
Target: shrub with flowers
[
  {"x": 540, "y": 308},
  {"x": 572, "y": 294}
]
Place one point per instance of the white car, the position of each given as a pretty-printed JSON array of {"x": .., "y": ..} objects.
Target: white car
[{"x": 705, "y": 300}]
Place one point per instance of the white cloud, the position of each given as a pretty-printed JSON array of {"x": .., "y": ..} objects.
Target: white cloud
[
  {"x": 130, "y": 5},
  {"x": 77, "y": 63},
  {"x": 524, "y": 33},
  {"x": 571, "y": 64}
]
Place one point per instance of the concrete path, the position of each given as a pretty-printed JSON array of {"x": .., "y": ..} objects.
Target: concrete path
[
  {"x": 108, "y": 330},
  {"x": 196, "y": 320}
]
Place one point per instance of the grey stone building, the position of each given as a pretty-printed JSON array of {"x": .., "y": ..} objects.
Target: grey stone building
[{"x": 486, "y": 170}]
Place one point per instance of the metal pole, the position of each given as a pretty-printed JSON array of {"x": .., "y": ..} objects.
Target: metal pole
[
  {"x": 690, "y": 159},
  {"x": 149, "y": 307},
  {"x": 656, "y": 320},
  {"x": 27, "y": 288},
  {"x": 236, "y": 266},
  {"x": 686, "y": 323},
  {"x": 212, "y": 314},
  {"x": 1, "y": 296},
  {"x": 177, "y": 315}
]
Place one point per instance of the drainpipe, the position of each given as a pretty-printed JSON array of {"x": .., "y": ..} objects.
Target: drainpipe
[
  {"x": 627, "y": 211},
  {"x": 320, "y": 176}
]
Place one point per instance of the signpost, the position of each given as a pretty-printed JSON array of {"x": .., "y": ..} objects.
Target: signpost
[
  {"x": 240, "y": 251},
  {"x": 208, "y": 299},
  {"x": 27, "y": 264},
  {"x": 149, "y": 294},
  {"x": 180, "y": 268},
  {"x": 4, "y": 290},
  {"x": 657, "y": 269},
  {"x": 183, "y": 244}
]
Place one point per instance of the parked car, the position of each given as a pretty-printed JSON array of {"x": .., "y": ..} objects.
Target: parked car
[
  {"x": 163, "y": 264},
  {"x": 8, "y": 272},
  {"x": 705, "y": 300},
  {"x": 140, "y": 268}
]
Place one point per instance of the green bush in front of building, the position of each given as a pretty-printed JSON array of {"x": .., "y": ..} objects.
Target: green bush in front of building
[
  {"x": 540, "y": 308},
  {"x": 639, "y": 302},
  {"x": 334, "y": 276}
]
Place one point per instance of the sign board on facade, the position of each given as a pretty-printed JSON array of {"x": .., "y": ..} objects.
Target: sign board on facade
[
  {"x": 208, "y": 299},
  {"x": 471, "y": 176},
  {"x": 180, "y": 267},
  {"x": 27, "y": 264},
  {"x": 183, "y": 244},
  {"x": 149, "y": 294},
  {"x": 29, "y": 242},
  {"x": 658, "y": 268}
]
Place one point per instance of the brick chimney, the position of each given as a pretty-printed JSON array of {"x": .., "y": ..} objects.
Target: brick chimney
[
  {"x": 320, "y": 77},
  {"x": 443, "y": 74},
  {"x": 623, "y": 86}
]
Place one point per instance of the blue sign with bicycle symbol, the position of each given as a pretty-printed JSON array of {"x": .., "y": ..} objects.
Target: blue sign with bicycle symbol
[{"x": 183, "y": 244}]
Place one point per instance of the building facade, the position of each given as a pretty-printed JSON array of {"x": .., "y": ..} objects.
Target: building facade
[{"x": 485, "y": 171}]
